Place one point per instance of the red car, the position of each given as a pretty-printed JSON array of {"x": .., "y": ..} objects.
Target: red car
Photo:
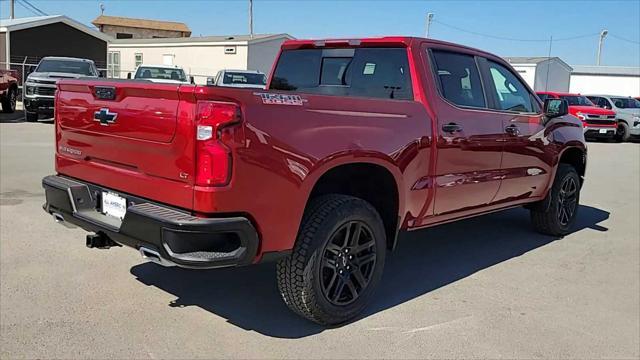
[
  {"x": 353, "y": 144},
  {"x": 596, "y": 122},
  {"x": 8, "y": 90}
]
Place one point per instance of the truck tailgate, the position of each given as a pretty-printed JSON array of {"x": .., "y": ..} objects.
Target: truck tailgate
[{"x": 136, "y": 140}]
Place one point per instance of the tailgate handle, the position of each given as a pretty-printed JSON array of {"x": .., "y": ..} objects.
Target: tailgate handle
[{"x": 105, "y": 92}]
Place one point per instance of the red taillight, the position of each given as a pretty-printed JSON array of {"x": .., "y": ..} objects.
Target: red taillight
[{"x": 213, "y": 157}]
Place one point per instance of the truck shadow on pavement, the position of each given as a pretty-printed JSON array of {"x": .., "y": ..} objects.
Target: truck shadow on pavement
[{"x": 424, "y": 260}]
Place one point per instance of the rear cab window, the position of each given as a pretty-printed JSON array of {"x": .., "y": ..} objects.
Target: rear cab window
[{"x": 359, "y": 72}]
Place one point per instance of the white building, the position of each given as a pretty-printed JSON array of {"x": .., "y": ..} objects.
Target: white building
[
  {"x": 543, "y": 73},
  {"x": 614, "y": 80},
  {"x": 200, "y": 57}
]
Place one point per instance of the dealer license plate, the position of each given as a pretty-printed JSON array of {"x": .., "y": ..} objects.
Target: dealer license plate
[
  {"x": 114, "y": 205},
  {"x": 603, "y": 131}
]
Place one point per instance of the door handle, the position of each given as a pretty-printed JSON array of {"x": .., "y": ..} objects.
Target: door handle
[
  {"x": 512, "y": 130},
  {"x": 451, "y": 128}
]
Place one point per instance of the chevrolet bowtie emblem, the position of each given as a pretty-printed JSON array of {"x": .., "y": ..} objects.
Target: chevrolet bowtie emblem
[{"x": 105, "y": 117}]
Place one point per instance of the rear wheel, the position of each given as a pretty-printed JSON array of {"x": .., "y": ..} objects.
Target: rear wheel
[
  {"x": 9, "y": 102},
  {"x": 556, "y": 214},
  {"x": 622, "y": 133},
  {"x": 337, "y": 260}
]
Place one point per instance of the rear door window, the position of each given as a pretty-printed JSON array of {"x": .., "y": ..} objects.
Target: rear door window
[
  {"x": 459, "y": 78},
  {"x": 363, "y": 72}
]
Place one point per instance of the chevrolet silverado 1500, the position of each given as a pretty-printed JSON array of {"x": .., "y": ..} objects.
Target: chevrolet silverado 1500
[{"x": 353, "y": 143}]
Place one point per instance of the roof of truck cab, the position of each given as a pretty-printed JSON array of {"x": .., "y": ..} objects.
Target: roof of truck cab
[
  {"x": 610, "y": 96},
  {"x": 64, "y": 58},
  {"x": 384, "y": 40},
  {"x": 242, "y": 71}
]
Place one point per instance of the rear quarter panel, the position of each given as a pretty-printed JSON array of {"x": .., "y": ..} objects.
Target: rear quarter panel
[{"x": 289, "y": 147}]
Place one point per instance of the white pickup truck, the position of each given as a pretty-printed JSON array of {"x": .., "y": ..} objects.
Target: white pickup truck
[
  {"x": 239, "y": 79},
  {"x": 172, "y": 74}
]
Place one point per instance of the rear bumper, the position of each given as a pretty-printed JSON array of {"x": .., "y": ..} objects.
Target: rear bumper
[
  {"x": 177, "y": 237},
  {"x": 40, "y": 105}
]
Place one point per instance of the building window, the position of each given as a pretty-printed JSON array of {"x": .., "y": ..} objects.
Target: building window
[
  {"x": 113, "y": 64},
  {"x": 124, "y": 36},
  {"x": 167, "y": 59},
  {"x": 138, "y": 59}
]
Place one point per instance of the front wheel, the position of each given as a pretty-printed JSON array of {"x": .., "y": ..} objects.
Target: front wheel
[
  {"x": 622, "y": 133},
  {"x": 337, "y": 260},
  {"x": 556, "y": 214},
  {"x": 9, "y": 103}
]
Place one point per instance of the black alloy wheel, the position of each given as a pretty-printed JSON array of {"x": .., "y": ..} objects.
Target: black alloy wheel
[
  {"x": 567, "y": 200},
  {"x": 348, "y": 262}
]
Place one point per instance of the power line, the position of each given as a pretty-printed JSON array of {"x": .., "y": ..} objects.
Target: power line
[
  {"x": 510, "y": 38},
  {"x": 623, "y": 39},
  {"x": 35, "y": 8},
  {"x": 27, "y": 8}
]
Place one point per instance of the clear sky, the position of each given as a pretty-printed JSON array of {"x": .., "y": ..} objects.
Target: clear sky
[{"x": 532, "y": 20}]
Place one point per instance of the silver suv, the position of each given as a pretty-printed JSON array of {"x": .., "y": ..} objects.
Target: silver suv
[
  {"x": 627, "y": 113},
  {"x": 40, "y": 87}
]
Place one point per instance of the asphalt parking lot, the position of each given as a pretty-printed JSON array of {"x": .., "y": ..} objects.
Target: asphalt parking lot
[{"x": 487, "y": 287}]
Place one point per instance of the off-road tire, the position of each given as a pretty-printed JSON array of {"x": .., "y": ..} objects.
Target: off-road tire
[
  {"x": 546, "y": 216},
  {"x": 31, "y": 117},
  {"x": 622, "y": 133},
  {"x": 9, "y": 101},
  {"x": 300, "y": 276}
]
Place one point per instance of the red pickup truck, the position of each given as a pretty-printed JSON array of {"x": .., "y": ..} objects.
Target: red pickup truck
[
  {"x": 8, "y": 90},
  {"x": 596, "y": 122},
  {"x": 353, "y": 143}
]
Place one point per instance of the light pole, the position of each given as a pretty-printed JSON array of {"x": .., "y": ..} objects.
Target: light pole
[
  {"x": 251, "y": 19},
  {"x": 603, "y": 34},
  {"x": 429, "y": 20},
  {"x": 12, "y": 14}
]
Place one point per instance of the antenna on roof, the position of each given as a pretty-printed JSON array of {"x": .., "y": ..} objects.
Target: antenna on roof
[{"x": 101, "y": 8}]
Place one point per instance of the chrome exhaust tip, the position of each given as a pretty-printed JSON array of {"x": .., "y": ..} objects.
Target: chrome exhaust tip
[
  {"x": 154, "y": 256},
  {"x": 58, "y": 218}
]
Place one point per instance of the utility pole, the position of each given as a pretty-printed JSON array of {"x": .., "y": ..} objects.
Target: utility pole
[
  {"x": 603, "y": 34},
  {"x": 12, "y": 14},
  {"x": 429, "y": 20},
  {"x": 251, "y": 19}
]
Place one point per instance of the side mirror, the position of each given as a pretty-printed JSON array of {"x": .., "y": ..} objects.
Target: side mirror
[
  {"x": 192, "y": 80},
  {"x": 102, "y": 73},
  {"x": 554, "y": 108},
  {"x": 128, "y": 75},
  {"x": 211, "y": 81}
]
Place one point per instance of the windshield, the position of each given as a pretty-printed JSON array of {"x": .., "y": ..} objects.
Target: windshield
[
  {"x": 577, "y": 100},
  {"x": 66, "y": 66},
  {"x": 244, "y": 78},
  {"x": 626, "y": 103},
  {"x": 160, "y": 73}
]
